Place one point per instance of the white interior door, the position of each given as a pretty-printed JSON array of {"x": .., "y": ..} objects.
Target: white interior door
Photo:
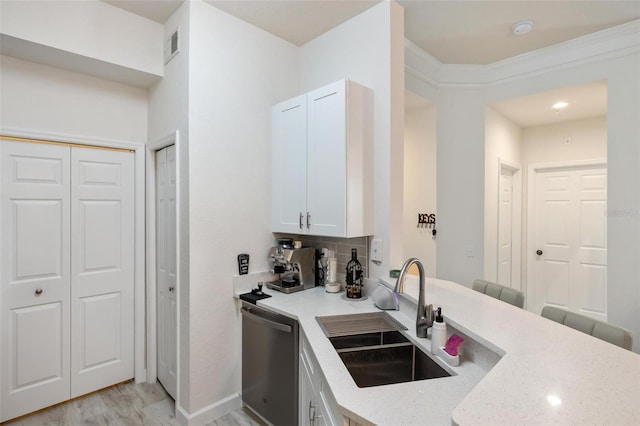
[
  {"x": 509, "y": 226},
  {"x": 505, "y": 213},
  {"x": 570, "y": 240},
  {"x": 166, "y": 271},
  {"x": 102, "y": 247},
  {"x": 34, "y": 277}
]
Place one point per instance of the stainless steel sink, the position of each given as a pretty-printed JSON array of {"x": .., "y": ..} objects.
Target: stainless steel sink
[
  {"x": 384, "y": 365},
  {"x": 376, "y": 352}
]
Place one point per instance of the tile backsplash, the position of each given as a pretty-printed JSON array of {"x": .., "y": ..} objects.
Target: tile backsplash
[{"x": 341, "y": 246}]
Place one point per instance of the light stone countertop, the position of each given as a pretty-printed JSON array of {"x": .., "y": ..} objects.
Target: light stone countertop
[{"x": 548, "y": 374}]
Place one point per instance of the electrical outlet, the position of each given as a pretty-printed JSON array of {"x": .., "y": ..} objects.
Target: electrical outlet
[
  {"x": 470, "y": 251},
  {"x": 376, "y": 250}
]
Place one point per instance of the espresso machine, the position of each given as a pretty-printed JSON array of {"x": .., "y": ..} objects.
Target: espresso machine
[{"x": 294, "y": 268}]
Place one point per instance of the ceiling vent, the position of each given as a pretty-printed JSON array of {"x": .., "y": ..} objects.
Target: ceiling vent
[{"x": 172, "y": 46}]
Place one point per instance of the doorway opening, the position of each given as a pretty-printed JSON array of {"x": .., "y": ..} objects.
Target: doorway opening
[
  {"x": 526, "y": 137},
  {"x": 163, "y": 254}
]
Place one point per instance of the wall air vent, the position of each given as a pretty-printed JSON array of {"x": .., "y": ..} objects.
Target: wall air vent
[{"x": 172, "y": 46}]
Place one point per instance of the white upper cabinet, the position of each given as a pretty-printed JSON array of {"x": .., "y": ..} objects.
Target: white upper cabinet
[{"x": 323, "y": 162}]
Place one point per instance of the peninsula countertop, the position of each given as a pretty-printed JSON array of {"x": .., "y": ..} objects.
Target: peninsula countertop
[{"x": 547, "y": 374}]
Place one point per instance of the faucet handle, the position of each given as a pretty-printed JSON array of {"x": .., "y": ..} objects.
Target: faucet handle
[{"x": 429, "y": 314}]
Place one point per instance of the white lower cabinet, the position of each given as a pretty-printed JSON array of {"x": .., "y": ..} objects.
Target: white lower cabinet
[{"x": 317, "y": 404}]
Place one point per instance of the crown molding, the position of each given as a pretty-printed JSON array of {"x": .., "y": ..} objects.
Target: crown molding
[
  {"x": 619, "y": 41},
  {"x": 420, "y": 64}
]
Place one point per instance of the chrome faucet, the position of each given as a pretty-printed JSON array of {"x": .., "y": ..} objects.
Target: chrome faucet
[{"x": 424, "y": 316}]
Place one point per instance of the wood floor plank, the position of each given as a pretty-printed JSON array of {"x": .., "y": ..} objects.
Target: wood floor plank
[{"x": 126, "y": 404}]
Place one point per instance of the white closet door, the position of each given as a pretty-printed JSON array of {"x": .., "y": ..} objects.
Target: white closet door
[
  {"x": 34, "y": 277},
  {"x": 102, "y": 246},
  {"x": 166, "y": 271}
]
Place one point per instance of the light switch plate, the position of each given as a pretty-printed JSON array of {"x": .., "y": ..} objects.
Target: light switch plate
[{"x": 376, "y": 250}]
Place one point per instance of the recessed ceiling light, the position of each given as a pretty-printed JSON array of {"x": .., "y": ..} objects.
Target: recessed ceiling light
[
  {"x": 554, "y": 400},
  {"x": 522, "y": 27},
  {"x": 559, "y": 105}
]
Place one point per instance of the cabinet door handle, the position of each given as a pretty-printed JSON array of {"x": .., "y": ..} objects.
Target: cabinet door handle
[
  {"x": 312, "y": 414},
  {"x": 38, "y": 292},
  {"x": 308, "y": 220},
  {"x": 300, "y": 220}
]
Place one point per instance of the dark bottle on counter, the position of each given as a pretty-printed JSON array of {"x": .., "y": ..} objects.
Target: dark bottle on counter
[{"x": 355, "y": 280}]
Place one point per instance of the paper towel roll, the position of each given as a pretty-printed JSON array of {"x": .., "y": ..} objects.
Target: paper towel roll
[{"x": 332, "y": 270}]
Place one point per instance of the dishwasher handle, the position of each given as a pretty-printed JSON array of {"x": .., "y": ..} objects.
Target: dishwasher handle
[{"x": 278, "y": 326}]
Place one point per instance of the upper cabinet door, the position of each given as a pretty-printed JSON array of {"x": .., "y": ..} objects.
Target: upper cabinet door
[
  {"x": 326, "y": 160},
  {"x": 289, "y": 162}
]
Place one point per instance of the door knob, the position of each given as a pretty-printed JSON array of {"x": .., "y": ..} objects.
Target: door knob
[
  {"x": 539, "y": 252},
  {"x": 38, "y": 292},
  {"x": 171, "y": 288}
]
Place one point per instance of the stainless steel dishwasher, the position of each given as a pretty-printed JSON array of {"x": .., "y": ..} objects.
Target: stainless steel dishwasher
[{"x": 270, "y": 364}]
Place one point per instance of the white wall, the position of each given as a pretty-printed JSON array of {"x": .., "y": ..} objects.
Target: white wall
[
  {"x": 368, "y": 49},
  {"x": 89, "y": 28},
  {"x": 236, "y": 73},
  {"x": 168, "y": 113},
  {"x": 503, "y": 142},
  {"x": 623, "y": 192},
  {"x": 546, "y": 144},
  {"x": 42, "y": 99},
  {"x": 419, "y": 184},
  {"x": 460, "y": 184}
]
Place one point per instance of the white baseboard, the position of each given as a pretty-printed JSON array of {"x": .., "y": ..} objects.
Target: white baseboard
[{"x": 210, "y": 412}]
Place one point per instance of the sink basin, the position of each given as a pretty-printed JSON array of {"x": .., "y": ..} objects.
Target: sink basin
[
  {"x": 376, "y": 352},
  {"x": 367, "y": 339},
  {"x": 384, "y": 365}
]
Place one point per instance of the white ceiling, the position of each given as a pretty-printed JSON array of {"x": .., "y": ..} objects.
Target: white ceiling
[
  {"x": 156, "y": 10},
  {"x": 297, "y": 21},
  {"x": 453, "y": 31},
  {"x": 585, "y": 101},
  {"x": 479, "y": 32}
]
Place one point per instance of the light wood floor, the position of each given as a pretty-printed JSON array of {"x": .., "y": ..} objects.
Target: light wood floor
[{"x": 124, "y": 405}]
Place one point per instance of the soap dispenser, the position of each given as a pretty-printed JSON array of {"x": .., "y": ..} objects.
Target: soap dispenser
[{"x": 438, "y": 332}]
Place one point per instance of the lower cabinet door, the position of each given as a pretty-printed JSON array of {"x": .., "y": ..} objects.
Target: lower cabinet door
[
  {"x": 307, "y": 405},
  {"x": 329, "y": 406}
]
